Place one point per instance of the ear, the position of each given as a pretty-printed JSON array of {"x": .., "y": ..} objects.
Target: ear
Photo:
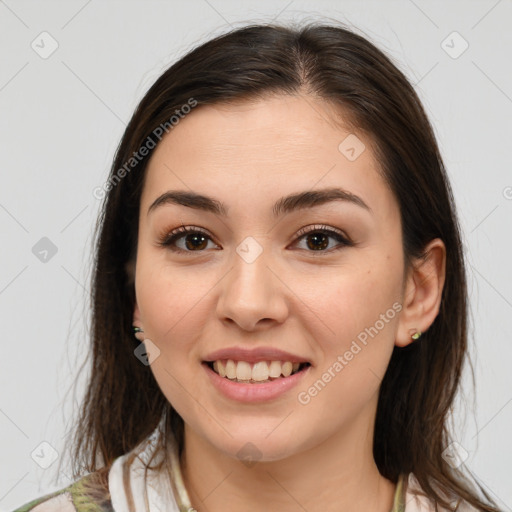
[
  {"x": 137, "y": 322},
  {"x": 422, "y": 293}
]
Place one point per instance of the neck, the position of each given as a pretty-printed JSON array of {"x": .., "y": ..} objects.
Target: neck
[{"x": 338, "y": 474}]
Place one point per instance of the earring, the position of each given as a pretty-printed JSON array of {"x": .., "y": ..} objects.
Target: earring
[
  {"x": 416, "y": 335},
  {"x": 138, "y": 332}
]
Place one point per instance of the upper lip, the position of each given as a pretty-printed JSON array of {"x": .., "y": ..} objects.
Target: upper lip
[{"x": 254, "y": 355}]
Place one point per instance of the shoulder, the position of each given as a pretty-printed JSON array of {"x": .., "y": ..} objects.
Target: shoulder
[{"x": 88, "y": 494}]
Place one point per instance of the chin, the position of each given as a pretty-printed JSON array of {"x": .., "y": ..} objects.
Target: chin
[{"x": 255, "y": 445}]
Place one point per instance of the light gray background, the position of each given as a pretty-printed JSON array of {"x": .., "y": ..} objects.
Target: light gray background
[{"x": 62, "y": 118}]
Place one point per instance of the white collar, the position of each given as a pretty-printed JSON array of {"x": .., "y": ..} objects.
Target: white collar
[{"x": 131, "y": 492}]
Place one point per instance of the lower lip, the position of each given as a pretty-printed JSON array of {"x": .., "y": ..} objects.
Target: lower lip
[{"x": 244, "y": 392}]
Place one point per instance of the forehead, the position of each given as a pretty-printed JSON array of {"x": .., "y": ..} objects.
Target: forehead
[{"x": 252, "y": 151}]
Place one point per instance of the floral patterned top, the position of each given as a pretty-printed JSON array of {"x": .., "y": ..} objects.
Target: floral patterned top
[{"x": 122, "y": 487}]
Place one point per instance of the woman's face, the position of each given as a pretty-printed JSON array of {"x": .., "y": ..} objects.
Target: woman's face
[{"x": 253, "y": 278}]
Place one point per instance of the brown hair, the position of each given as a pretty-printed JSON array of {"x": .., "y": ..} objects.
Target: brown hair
[{"x": 123, "y": 402}]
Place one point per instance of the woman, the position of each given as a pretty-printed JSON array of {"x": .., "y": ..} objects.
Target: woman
[{"x": 280, "y": 302}]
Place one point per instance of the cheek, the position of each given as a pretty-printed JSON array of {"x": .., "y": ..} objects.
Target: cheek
[
  {"x": 347, "y": 301},
  {"x": 359, "y": 313},
  {"x": 165, "y": 293},
  {"x": 172, "y": 313}
]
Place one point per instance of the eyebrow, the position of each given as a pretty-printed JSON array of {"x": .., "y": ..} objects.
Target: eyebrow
[{"x": 284, "y": 205}]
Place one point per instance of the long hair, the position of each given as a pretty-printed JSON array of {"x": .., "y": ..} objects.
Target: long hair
[{"x": 123, "y": 402}]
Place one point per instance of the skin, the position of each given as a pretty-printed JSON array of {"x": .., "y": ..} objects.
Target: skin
[{"x": 307, "y": 302}]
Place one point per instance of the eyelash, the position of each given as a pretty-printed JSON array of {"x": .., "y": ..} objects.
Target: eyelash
[{"x": 170, "y": 238}]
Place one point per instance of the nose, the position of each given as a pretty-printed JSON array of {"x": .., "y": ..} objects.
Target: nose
[{"x": 252, "y": 294}]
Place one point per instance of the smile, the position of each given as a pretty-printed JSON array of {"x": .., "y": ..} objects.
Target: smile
[
  {"x": 247, "y": 389},
  {"x": 253, "y": 373}
]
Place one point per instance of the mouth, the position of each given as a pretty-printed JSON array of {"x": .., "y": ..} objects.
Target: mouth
[{"x": 255, "y": 373}]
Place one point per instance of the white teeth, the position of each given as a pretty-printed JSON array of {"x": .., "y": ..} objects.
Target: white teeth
[
  {"x": 230, "y": 369},
  {"x": 287, "y": 369},
  {"x": 275, "y": 369},
  {"x": 258, "y": 372},
  {"x": 243, "y": 371},
  {"x": 221, "y": 368}
]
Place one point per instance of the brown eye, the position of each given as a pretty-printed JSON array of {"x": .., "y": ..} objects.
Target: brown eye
[
  {"x": 195, "y": 239},
  {"x": 317, "y": 239}
]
